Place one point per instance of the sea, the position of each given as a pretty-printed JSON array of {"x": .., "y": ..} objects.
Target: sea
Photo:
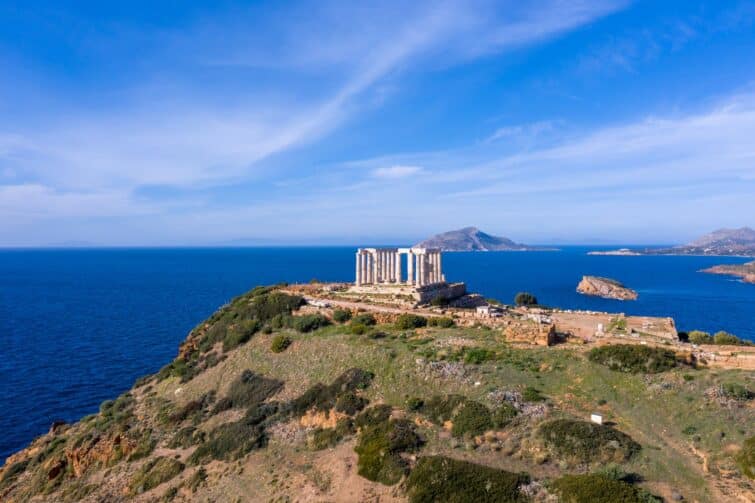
[{"x": 79, "y": 326}]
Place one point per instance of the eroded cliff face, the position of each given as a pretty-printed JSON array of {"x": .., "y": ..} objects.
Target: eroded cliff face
[{"x": 606, "y": 288}]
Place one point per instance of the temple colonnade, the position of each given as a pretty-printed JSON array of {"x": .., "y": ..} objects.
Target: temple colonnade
[{"x": 385, "y": 266}]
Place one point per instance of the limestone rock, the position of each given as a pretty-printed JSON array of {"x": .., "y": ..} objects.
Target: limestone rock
[{"x": 606, "y": 288}]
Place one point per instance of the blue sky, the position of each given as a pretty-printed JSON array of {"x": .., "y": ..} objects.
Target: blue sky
[{"x": 550, "y": 121}]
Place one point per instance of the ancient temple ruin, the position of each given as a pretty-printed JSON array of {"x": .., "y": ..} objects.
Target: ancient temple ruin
[{"x": 383, "y": 266}]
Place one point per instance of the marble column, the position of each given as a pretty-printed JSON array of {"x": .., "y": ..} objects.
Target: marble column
[
  {"x": 373, "y": 267},
  {"x": 410, "y": 268},
  {"x": 436, "y": 267},
  {"x": 358, "y": 275},
  {"x": 440, "y": 267},
  {"x": 391, "y": 266},
  {"x": 398, "y": 268},
  {"x": 421, "y": 269}
]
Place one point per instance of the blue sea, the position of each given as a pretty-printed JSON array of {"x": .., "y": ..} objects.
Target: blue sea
[{"x": 79, "y": 326}]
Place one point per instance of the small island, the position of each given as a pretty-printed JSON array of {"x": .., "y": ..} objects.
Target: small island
[
  {"x": 744, "y": 271},
  {"x": 473, "y": 239},
  {"x": 606, "y": 288}
]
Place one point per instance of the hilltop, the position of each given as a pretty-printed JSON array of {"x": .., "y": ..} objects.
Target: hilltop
[
  {"x": 320, "y": 393},
  {"x": 472, "y": 239}
]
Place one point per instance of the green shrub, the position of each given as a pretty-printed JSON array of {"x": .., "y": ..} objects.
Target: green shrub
[
  {"x": 350, "y": 403},
  {"x": 440, "y": 409},
  {"x": 186, "y": 437},
  {"x": 441, "y": 322},
  {"x": 281, "y": 321},
  {"x": 633, "y": 358},
  {"x": 144, "y": 447},
  {"x": 437, "y": 478},
  {"x": 12, "y": 472},
  {"x": 240, "y": 334},
  {"x": 414, "y": 403},
  {"x": 379, "y": 448},
  {"x": 525, "y": 299},
  {"x": 231, "y": 441},
  {"x": 746, "y": 458},
  {"x": 472, "y": 419},
  {"x": 410, "y": 321},
  {"x": 324, "y": 398},
  {"x": 341, "y": 315},
  {"x": 583, "y": 442},
  {"x": 358, "y": 328},
  {"x": 736, "y": 391},
  {"x": 323, "y": 438},
  {"x": 503, "y": 415},
  {"x": 729, "y": 339},
  {"x": 364, "y": 319},
  {"x": 374, "y": 416},
  {"x": 699, "y": 337},
  {"x": 690, "y": 430},
  {"x": 531, "y": 394},
  {"x": 477, "y": 356},
  {"x": 310, "y": 322},
  {"x": 597, "y": 488},
  {"x": 280, "y": 343},
  {"x": 154, "y": 473},
  {"x": 250, "y": 389}
]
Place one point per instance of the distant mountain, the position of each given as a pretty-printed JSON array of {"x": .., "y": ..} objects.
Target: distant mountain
[
  {"x": 719, "y": 242},
  {"x": 472, "y": 239},
  {"x": 734, "y": 242}
]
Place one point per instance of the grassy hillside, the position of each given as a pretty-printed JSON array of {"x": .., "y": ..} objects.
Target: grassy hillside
[{"x": 261, "y": 405}]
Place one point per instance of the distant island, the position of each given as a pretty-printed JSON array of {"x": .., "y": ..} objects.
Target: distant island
[
  {"x": 722, "y": 242},
  {"x": 473, "y": 239},
  {"x": 744, "y": 271},
  {"x": 606, "y": 288}
]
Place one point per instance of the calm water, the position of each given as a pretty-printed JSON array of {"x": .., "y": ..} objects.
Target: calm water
[{"x": 79, "y": 326}]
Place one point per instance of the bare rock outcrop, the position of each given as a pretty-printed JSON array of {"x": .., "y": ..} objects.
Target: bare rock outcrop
[{"x": 606, "y": 288}]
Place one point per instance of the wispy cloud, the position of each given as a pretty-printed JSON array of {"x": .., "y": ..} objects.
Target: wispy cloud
[{"x": 397, "y": 171}]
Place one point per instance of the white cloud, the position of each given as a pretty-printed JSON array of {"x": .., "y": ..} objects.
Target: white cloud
[{"x": 397, "y": 171}]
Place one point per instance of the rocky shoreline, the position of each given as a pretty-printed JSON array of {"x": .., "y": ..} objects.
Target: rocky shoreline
[{"x": 744, "y": 271}]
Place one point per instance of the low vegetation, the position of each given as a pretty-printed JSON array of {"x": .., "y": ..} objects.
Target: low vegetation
[
  {"x": 364, "y": 319},
  {"x": 746, "y": 458},
  {"x": 410, "y": 321},
  {"x": 280, "y": 343},
  {"x": 154, "y": 473},
  {"x": 341, "y": 315},
  {"x": 310, "y": 322},
  {"x": 720, "y": 338},
  {"x": 525, "y": 299},
  {"x": 472, "y": 419},
  {"x": 379, "y": 448},
  {"x": 633, "y": 358},
  {"x": 580, "y": 442},
  {"x": 441, "y": 322},
  {"x": 437, "y": 478},
  {"x": 592, "y": 488}
]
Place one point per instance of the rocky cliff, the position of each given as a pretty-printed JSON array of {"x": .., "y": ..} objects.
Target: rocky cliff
[{"x": 606, "y": 288}]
